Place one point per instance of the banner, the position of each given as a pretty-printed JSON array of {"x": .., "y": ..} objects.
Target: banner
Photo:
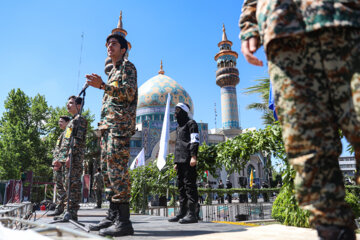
[
  {"x": 85, "y": 187},
  {"x": 139, "y": 160},
  {"x": 272, "y": 102},
  {"x": 165, "y": 136},
  {"x": 251, "y": 178}
]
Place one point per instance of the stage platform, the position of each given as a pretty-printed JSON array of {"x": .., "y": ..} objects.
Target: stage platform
[{"x": 155, "y": 227}]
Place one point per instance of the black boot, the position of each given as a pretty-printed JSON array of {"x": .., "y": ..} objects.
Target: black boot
[
  {"x": 122, "y": 226},
  {"x": 191, "y": 216},
  {"x": 181, "y": 214},
  {"x": 66, "y": 216},
  {"x": 58, "y": 211},
  {"x": 328, "y": 232},
  {"x": 108, "y": 220}
]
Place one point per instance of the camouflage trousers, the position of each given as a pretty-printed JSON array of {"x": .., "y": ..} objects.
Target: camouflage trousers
[
  {"x": 75, "y": 184},
  {"x": 59, "y": 178},
  {"x": 316, "y": 82},
  {"x": 115, "y": 153}
]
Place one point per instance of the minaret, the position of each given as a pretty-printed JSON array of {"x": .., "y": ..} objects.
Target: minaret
[
  {"x": 118, "y": 30},
  {"x": 227, "y": 77},
  {"x": 161, "y": 71}
]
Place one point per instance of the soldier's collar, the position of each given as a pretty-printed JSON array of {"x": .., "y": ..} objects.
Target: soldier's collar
[{"x": 118, "y": 63}]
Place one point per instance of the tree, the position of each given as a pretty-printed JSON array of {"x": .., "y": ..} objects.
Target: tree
[
  {"x": 206, "y": 161},
  {"x": 262, "y": 87},
  {"x": 28, "y": 132},
  {"x": 21, "y": 125}
]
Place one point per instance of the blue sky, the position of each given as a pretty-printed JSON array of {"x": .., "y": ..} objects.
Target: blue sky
[{"x": 41, "y": 40}]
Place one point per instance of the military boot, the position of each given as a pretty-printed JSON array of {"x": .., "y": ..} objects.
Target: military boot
[
  {"x": 191, "y": 216},
  {"x": 66, "y": 216},
  {"x": 58, "y": 211},
  {"x": 108, "y": 220},
  {"x": 122, "y": 226},
  {"x": 181, "y": 214},
  {"x": 328, "y": 232}
]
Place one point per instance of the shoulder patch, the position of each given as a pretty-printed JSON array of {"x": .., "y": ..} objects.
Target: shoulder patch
[
  {"x": 115, "y": 83},
  {"x": 68, "y": 132}
]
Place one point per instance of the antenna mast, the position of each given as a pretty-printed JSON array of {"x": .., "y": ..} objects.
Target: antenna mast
[{"x": 81, "y": 48}]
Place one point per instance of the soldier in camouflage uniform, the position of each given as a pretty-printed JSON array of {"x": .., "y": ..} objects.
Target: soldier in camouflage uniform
[
  {"x": 76, "y": 129},
  {"x": 313, "y": 52},
  {"x": 98, "y": 187},
  {"x": 117, "y": 125},
  {"x": 59, "y": 170}
]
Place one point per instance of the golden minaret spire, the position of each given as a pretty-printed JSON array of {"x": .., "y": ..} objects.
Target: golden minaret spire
[
  {"x": 120, "y": 25},
  {"x": 224, "y": 37},
  {"x": 161, "y": 71}
]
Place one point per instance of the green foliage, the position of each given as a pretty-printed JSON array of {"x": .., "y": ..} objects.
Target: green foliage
[
  {"x": 262, "y": 87},
  {"x": 286, "y": 210},
  {"x": 21, "y": 129},
  {"x": 235, "y": 153},
  {"x": 148, "y": 180},
  {"x": 206, "y": 161},
  {"x": 28, "y": 132},
  {"x": 353, "y": 201},
  {"x": 354, "y": 189},
  {"x": 232, "y": 154}
]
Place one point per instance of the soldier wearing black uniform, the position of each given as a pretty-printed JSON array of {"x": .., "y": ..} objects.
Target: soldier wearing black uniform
[
  {"x": 229, "y": 195},
  {"x": 186, "y": 149},
  {"x": 221, "y": 195}
]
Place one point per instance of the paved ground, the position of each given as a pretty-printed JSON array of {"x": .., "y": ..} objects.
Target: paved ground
[{"x": 154, "y": 227}]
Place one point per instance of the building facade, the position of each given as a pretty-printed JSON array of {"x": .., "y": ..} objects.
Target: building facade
[
  {"x": 152, "y": 103},
  {"x": 347, "y": 166}
]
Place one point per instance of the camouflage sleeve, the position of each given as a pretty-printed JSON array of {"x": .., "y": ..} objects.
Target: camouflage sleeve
[
  {"x": 57, "y": 147},
  {"x": 55, "y": 154},
  {"x": 80, "y": 134},
  {"x": 64, "y": 149},
  {"x": 126, "y": 90},
  {"x": 248, "y": 23},
  {"x": 79, "y": 138}
]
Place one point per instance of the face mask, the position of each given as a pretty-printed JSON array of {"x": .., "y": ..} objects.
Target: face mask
[{"x": 181, "y": 117}]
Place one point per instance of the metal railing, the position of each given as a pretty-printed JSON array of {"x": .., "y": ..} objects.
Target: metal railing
[
  {"x": 48, "y": 230},
  {"x": 16, "y": 210},
  {"x": 17, "y": 216}
]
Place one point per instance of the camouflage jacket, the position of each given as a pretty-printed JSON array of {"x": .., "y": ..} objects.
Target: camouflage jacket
[
  {"x": 79, "y": 139},
  {"x": 98, "y": 181},
  {"x": 119, "y": 102},
  {"x": 57, "y": 146},
  {"x": 270, "y": 19}
]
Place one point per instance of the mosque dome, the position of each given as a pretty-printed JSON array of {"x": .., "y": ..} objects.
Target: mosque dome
[{"x": 152, "y": 96}]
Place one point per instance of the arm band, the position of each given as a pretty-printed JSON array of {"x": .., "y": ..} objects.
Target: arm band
[{"x": 194, "y": 138}]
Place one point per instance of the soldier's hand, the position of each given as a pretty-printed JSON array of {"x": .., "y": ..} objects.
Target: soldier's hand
[
  {"x": 175, "y": 166},
  {"x": 193, "y": 162},
  {"x": 57, "y": 165},
  {"x": 248, "y": 48},
  {"x": 94, "y": 80},
  {"x": 67, "y": 163}
]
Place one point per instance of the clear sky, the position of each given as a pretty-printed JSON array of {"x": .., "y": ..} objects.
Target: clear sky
[{"x": 41, "y": 40}]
